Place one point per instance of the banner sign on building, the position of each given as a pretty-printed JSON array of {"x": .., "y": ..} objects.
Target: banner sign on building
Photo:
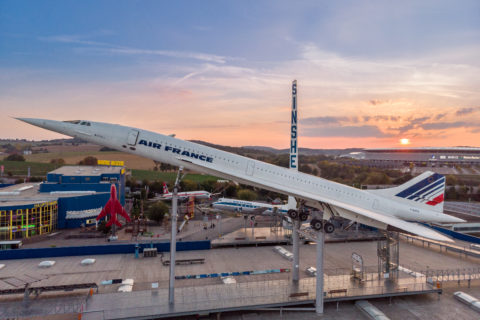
[{"x": 111, "y": 163}]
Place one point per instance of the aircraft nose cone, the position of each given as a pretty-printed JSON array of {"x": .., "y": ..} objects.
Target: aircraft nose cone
[
  {"x": 57, "y": 126},
  {"x": 33, "y": 121}
]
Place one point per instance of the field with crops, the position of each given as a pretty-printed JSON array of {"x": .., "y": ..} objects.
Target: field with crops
[{"x": 73, "y": 154}]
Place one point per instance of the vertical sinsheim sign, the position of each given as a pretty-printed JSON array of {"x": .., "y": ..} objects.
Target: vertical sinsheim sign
[{"x": 293, "y": 129}]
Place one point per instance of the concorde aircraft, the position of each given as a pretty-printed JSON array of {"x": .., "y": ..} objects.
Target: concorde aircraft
[{"x": 418, "y": 200}]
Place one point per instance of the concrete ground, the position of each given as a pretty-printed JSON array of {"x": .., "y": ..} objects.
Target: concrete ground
[
  {"x": 193, "y": 231},
  {"x": 144, "y": 271}
]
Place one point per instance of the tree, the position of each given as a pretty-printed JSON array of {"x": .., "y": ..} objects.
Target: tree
[
  {"x": 305, "y": 168},
  {"x": 15, "y": 157},
  {"x": 208, "y": 185},
  {"x": 188, "y": 185},
  {"x": 157, "y": 211},
  {"x": 89, "y": 161},
  {"x": 230, "y": 191},
  {"x": 451, "y": 180},
  {"x": 377, "y": 178},
  {"x": 247, "y": 195},
  {"x": 402, "y": 179},
  {"x": 102, "y": 227}
]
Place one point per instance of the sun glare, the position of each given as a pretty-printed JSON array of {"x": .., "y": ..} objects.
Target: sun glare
[{"x": 404, "y": 141}]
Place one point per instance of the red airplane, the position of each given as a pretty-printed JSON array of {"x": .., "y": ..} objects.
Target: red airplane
[{"x": 113, "y": 207}]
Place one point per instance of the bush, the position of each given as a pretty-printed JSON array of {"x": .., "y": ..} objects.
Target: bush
[
  {"x": 102, "y": 227},
  {"x": 89, "y": 161},
  {"x": 157, "y": 211},
  {"x": 58, "y": 161},
  {"x": 15, "y": 157}
]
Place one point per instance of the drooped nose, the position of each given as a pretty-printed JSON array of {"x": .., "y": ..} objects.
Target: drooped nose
[{"x": 57, "y": 126}]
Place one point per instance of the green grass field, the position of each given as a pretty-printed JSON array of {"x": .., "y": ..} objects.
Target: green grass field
[
  {"x": 39, "y": 169},
  {"x": 20, "y": 168},
  {"x": 168, "y": 176}
]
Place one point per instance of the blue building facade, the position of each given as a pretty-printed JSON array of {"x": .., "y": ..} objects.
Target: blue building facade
[
  {"x": 91, "y": 184},
  {"x": 72, "y": 197}
]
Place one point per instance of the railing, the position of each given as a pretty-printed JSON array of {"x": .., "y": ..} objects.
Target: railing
[
  {"x": 43, "y": 307},
  {"x": 338, "y": 285},
  {"x": 245, "y": 296},
  {"x": 443, "y": 275}
]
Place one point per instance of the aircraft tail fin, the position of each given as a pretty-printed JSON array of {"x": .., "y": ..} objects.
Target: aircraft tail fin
[
  {"x": 165, "y": 188},
  {"x": 426, "y": 190}
]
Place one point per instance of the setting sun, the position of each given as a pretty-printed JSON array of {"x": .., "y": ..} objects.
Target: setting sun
[{"x": 404, "y": 141}]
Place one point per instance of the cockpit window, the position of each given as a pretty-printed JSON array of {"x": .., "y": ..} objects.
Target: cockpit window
[{"x": 83, "y": 123}]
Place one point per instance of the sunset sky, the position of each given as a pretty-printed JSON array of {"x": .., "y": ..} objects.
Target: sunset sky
[{"x": 369, "y": 72}]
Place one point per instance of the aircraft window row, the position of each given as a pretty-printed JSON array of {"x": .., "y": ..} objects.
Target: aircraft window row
[{"x": 352, "y": 194}]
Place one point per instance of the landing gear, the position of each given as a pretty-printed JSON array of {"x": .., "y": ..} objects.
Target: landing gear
[
  {"x": 303, "y": 216},
  {"x": 316, "y": 224},
  {"x": 329, "y": 227},
  {"x": 293, "y": 214}
]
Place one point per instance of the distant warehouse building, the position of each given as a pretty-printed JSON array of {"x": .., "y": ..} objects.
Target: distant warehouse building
[
  {"x": 397, "y": 157},
  {"x": 71, "y": 197}
]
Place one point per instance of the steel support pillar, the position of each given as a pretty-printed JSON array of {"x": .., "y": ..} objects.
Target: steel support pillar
[
  {"x": 296, "y": 250},
  {"x": 173, "y": 239},
  {"x": 319, "y": 284}
]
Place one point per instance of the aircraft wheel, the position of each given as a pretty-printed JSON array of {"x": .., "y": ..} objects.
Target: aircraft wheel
[
  {"x": 293, "y": 214},
  {"x": 316, "y": 224},
  {"x": 329, "y": 227},
  {"x": 303, "y": 216}
]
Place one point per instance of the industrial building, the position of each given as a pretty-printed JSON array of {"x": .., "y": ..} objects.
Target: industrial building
[
  {"x": 72, "y": 196},
  {"x": 397, "y": 157}
]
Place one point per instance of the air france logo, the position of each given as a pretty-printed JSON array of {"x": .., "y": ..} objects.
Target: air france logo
[{"x": 178, "y": 151}]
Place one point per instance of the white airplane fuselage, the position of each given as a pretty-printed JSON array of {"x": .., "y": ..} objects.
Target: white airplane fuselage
[
  {"x": 246, "y": 207},
  {"x": 252, "y": 172},
  {"x": 197, "y": 195}
]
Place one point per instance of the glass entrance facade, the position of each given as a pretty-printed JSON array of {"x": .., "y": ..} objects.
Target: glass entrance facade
[{"x": 21, "y": 222}]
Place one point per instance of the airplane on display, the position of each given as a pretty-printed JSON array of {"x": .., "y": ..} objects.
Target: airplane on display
[
  {"x": 249, "y": 207},
  {"x": 418, "y": 200},
  {"x": 184, "y": 195},
  {"x": 112, "y": 208}
]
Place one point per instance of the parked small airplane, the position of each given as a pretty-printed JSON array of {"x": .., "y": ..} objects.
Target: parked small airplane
[
  {"x": 184, "y": 195},
  {"x": 420, "y": 199},
  {"x": 249, "y": 207}
]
